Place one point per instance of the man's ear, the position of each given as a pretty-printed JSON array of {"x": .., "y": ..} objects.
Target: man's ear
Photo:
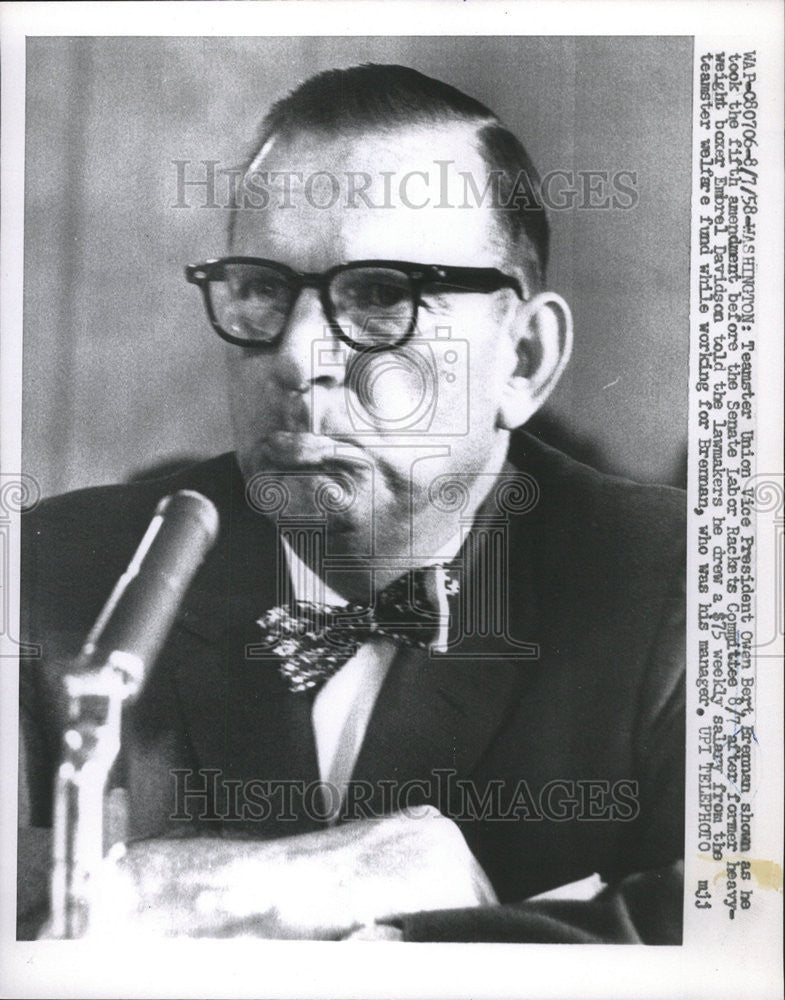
[{"x": 542, "y": 334}]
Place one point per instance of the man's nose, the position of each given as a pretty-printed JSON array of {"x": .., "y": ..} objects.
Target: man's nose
[{"x": 307, "y": 353}]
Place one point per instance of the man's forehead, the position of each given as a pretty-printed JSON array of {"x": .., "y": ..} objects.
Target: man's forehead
[
  {"x": 414, "y": 192},
  {"x": 401, "y": 146}
]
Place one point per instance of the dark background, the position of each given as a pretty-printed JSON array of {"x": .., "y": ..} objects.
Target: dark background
[{"x": 121, "y": 371}]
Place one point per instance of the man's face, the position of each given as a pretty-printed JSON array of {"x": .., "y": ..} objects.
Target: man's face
[{"x": 384, "y": 425}]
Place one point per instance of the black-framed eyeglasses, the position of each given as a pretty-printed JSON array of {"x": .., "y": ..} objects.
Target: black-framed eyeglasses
[{"x": 368, "y": 304}]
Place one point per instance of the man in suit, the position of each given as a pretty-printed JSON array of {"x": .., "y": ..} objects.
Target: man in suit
[{"x": 511, "y": 720}]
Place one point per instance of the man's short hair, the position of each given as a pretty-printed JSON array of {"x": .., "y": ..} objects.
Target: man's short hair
[{"x": 381, "y": 98}]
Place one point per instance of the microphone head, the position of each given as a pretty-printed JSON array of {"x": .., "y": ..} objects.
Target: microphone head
[
  {"x": 190, "y": 504},
  {"x": 136, "y": 620}
]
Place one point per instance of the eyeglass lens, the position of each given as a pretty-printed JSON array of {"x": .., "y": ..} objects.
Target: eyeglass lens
[{"x": 372, "y": 305}]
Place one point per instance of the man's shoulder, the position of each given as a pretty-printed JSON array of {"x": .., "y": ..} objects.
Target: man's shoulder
[
  {"x": 75, "y": 545},
  {"x": 607, "y": 559},
  {"x": 122, "y": 507},
  {"x": 571, "y": 493},
  {"x": 587, "y": 526}
]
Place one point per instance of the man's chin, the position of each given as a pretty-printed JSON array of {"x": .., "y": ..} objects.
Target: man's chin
[{"x": 332, "y": 487}]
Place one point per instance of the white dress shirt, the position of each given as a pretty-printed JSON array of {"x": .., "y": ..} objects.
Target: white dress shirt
[{"x": 343, "y": 706}]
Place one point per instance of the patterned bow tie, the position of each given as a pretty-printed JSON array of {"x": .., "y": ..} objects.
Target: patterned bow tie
[{"x": 313, "y": 641}]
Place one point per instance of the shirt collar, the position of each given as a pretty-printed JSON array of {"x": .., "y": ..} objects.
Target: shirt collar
[{"x": 308, "y": 586}]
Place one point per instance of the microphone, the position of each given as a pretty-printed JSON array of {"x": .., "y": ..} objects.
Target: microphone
[
  {"x": 108, "y": 672},
  {"x": 135, "y": 621}
]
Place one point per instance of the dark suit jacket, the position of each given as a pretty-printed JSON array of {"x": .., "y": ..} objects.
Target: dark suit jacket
[{"x": 555, "y": 767}]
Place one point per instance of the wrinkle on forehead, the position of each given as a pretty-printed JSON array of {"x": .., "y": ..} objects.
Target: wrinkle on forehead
[{"x": 383, "y": 178}]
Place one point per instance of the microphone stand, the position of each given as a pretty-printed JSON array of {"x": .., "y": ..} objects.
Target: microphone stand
[
  {"x": 110, "y": 671},
  {"x": 90, "y": 748}
]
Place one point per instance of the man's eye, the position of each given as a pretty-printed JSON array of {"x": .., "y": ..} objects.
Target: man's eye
[
  {"x": 256, "y": 288},
  {"x": 380, "y": 295}
]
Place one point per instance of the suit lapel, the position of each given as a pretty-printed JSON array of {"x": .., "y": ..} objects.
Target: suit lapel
[
  {"x": 238, "y": 713},
  {"x": 431, "y": 715}
]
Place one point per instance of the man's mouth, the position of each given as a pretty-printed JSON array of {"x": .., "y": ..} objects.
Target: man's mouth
[{"x": 304, "y": 450}]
